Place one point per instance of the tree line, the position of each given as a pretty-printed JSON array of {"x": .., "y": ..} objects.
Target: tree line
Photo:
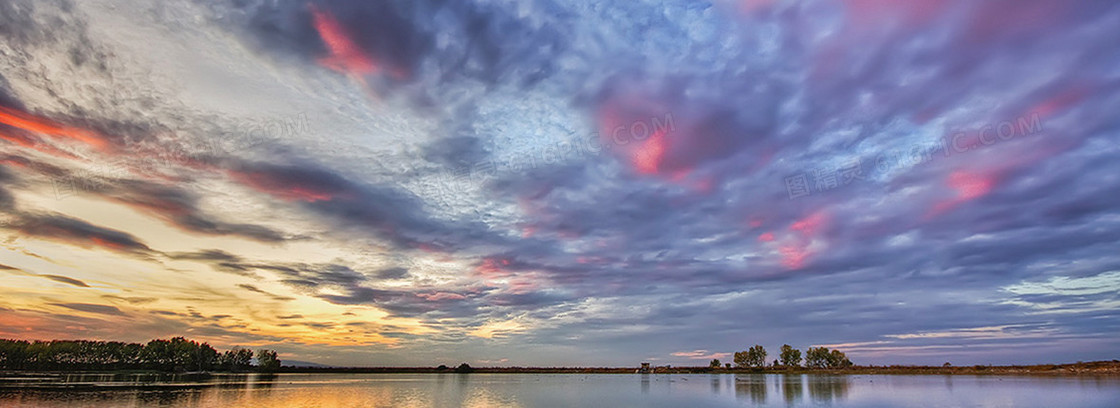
[
  {"x": 815, "y": 357},
  {"x": 171, "y": 355}
]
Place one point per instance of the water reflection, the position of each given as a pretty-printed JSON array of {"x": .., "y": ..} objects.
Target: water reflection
[
  {"x": 169, "y": 398},
  {"x": 828, "y": 388},
  {"x": 752, "y": 386},
  {"x": 529, "y": 390},
  {"x": 265, "y": 380},
  {"x": 486, "y": 398},
  {"x": 791, "y": 388}
]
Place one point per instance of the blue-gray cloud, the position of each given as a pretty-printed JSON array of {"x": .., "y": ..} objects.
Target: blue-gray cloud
[{"x": 875, "y": 174}]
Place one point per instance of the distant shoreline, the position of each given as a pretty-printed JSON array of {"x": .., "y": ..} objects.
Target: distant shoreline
[
  {"x": 1096, "y": 368},
  {"x": 1074, "y": 369}
]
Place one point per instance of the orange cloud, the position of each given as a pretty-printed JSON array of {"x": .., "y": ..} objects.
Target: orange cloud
[{"x": 31, "y": 123}]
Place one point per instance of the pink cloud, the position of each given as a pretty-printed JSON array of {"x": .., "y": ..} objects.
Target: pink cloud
[{"x": 700, "y": 355}]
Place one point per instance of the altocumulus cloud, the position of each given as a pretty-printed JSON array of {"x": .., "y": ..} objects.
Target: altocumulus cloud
[{"x": 913, "y": 181}]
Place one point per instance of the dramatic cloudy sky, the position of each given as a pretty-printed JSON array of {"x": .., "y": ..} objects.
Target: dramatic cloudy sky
[{"x": 547, "y": 182}]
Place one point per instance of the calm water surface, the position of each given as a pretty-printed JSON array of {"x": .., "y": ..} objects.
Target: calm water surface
[{"x": 568, "y": 390}]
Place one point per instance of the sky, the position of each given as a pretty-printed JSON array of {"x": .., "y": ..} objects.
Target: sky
[{"x": 561, "y": 183}]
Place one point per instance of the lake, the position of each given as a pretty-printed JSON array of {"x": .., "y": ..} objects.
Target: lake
[{"x": 569, "y": 390}]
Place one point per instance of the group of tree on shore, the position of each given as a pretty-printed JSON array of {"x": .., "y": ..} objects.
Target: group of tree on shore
[
  {"x": 171, "y": 355},
  {"x": 789, "y": 357}
]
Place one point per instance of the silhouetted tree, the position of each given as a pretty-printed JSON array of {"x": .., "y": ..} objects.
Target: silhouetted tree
[
  {"x": 207, "y": 357},
  {"x": 464, "y": 368},
  {"x": 14, "y": 354},
  {"x": 158, "y": 355},
  {"x": 753, "y": 357},
  {"x": 176, "y": 354},
  {"x": 236, "y": 360},
  {"x": 740, "y": 359},
  {"x": 817, "y": 357},
  {"x": 789, "y": 356},
  {"x": 267, "y": 361},
  {"x": 714, "y": 363},
  {"x": 837, "y": 359},
  {"x": 822, "y": 357},
  {"x": 756, "y": 356}
]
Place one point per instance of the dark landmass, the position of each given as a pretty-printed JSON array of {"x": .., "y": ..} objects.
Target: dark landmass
[
  {"x": 1080, "y": 368},
  {"x": 302, "y": 364},
  {"x": 57, "y": 360},
  {"x": 174, "y": 355}
]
